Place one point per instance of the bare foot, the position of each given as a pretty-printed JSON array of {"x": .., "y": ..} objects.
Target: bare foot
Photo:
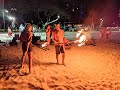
[
  {"x": 57, "y": 63},
  {"x": 63, "y": 63}
]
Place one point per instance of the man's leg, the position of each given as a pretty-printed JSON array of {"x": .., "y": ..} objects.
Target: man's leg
[
  {"x": 57, "y": 49},
  {"x": 57, "y": 58},
  {"x": 62, "y": 49},
  {"x": 63, "y": 57}
]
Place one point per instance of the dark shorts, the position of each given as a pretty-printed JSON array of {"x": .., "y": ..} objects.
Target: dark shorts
[
  {"x": 24, "y": 47},
  {"x": 59, "y": 49}
]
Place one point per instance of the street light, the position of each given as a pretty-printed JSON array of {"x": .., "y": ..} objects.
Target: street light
[
  {"x": 14, "y": 21},
  {"x": 3, "y": 12},
  {"x": 11, "y": 18},
  {"x": 3, "y": 15}
]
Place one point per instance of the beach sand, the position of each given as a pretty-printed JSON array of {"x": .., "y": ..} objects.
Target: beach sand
[{"x": 86, "y": 68}]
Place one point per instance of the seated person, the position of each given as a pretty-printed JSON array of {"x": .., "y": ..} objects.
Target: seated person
[
  {"x": 13, "y": 42},
  {"x": 35, "y": 39},
  {"x": 90, "y": 40}
]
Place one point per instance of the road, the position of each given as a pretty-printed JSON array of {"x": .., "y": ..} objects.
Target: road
[{"x": 115, "y": 35}]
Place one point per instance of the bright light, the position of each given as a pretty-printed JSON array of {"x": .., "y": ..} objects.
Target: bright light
[
  {"x": 11, "y": 18},
  {"x": 6, "y": 11},
  {"x": 82, "y": 38},
  {"x": 58, "y": 16},
  {"x": 45, "y": 44},
  {"x": 101, "y": 19}
]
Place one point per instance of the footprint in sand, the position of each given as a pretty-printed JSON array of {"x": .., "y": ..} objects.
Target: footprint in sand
[
  {"x": 110, "y": 86},
  {"x": 68, "y": 88},
  {"x": 3, "y": 75},
  {"x": 53, "y": 86},
  {"x": 117, "y": 88},
  {"x": 98, "y": 84},
  {"x": 7, "y": 77},
  {"x": 7, "y": 89},
  {"x": 104, "y": 85},
  {"x": 66, "y": 77},
  {"x": 33, "y": 87},
  {"x": 117, "y": 83},
  {"x": 54, "y": 78},
  {"x": 62, "y": 88},
  {"x": 79, "y": 87}
]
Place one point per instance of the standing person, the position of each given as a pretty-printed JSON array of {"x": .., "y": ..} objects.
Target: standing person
[
  {"x": 48, "y": 34},
  {"x": 102, "y": 34},
  {"x": 26, "y": 38},
  {"x": 58, "y": 39},
  {"x": 21, "y": 28},
  {"x": 9, "y": 32},
  {"x": 108, "y": 33}
]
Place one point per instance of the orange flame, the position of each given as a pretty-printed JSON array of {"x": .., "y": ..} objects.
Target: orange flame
[
  {"x": 45, "y": 44},
  {"x": 82, "y": 38}
]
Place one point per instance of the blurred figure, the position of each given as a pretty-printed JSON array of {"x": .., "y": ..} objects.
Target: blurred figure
[
  {"x": 26, "y": 39},
  {"x": 108, "y": 33},
  {"x": 9, "y": 32},
  {"x": 13, "y": 42},
  {"x": 34, "y": 39},
  {"x": 48, "y": 34},
  {"x": 102, "y": 34},
  {"x": 58, "y": 39},
  {"x": 21, "y": 28}
]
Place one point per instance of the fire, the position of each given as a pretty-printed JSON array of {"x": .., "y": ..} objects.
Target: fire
[
  {"x": 81, "y": 41},
  {"x": 44, "y": 44},
  {"x": 81, "y": 38}
]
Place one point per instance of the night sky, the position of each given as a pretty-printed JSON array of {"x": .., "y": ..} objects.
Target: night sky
[{"x": 79, "y": 11}]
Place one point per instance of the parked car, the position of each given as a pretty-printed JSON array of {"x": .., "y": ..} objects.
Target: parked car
[{"x": 72, "y": 28}]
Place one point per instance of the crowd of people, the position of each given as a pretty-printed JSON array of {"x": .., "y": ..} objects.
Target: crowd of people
[{"x": 105, "y": 34}]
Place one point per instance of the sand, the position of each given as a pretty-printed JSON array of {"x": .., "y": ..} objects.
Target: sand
[{"x": 86, "y": 68}]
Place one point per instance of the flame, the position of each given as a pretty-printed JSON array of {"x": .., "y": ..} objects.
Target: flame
[
  {"x": 79, "y": 33},
  {"x": 45, "y": 44},
  {"x": 82, "y": 38}
]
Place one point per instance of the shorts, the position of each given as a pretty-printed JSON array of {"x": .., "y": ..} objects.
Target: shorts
[
  {"x": 24, "y": 47},
  {"x": 59, "y": 49}
]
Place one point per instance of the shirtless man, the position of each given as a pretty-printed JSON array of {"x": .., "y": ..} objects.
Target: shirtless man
[{"x": 58, "y": 39}]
